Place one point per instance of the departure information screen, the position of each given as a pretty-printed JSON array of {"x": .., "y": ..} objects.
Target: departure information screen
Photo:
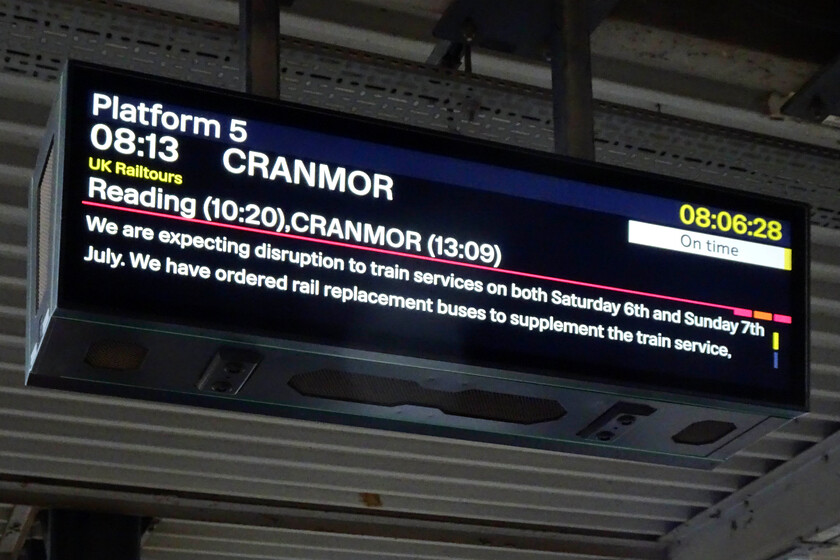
[{"x": 201, "y": 208}]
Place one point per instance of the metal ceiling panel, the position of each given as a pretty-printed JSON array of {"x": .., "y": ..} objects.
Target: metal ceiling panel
[
  {"x": 15, "y": 523},
  {"x": 187, "y": 540},
  {"x": 97, "y": 442}
]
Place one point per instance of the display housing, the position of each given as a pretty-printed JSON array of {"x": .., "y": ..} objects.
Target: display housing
[{"x": 204, "y": 247}]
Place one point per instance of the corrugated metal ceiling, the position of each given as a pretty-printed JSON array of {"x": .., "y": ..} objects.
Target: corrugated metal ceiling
[{"x": 545, "y": 504}]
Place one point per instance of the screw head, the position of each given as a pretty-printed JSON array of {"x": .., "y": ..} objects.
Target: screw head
[
  {"x": 468, "y": 30},
  {"x": 604, "y": 435},
  {"x": 221, "y": 387},
  {"x": 626, "y": 419}
]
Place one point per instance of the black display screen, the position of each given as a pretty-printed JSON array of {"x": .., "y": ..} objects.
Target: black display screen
[{"x": 202, "y": 208}]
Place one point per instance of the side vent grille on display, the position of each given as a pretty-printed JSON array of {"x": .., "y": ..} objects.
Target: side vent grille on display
[{"x": 115, "y": 355}]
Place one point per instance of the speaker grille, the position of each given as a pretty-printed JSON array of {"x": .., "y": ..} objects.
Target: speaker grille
[
  {"x": 390, "y": 392},
  {"x": 115, "y": 355}
]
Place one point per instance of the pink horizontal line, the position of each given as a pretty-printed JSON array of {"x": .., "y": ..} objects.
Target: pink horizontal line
[
  {"x": 743, "y": 312},
  {"x": 782, "y": 318},
  {"x": 735, "y": 310}
]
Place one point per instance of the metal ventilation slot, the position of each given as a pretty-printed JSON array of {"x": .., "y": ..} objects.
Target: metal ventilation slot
[
  {"x": 44, "y": 226},
  {"x": 116, "y": 355},
  {"x": 391, "y": 392}
]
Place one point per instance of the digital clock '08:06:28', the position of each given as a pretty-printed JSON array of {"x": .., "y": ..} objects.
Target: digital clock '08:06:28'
[{"x": 726, "y": 222}]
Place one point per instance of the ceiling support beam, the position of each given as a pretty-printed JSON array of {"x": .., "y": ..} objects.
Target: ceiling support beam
[
  {"x": 557, "y": 30},
  {"x": 303, "y": 517},
  {"x": 796, "y": 507},
  {"x": 571, "y": 79},
  {"x": 17, "y": 529},
  {"x": 818, "y": 100}
]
